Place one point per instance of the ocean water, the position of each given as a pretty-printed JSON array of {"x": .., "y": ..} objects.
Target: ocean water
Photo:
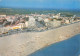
[{"x": 70, "y": 47}]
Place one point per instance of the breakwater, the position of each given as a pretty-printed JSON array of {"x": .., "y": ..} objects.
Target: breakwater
[{"x": 23, "y": 44}]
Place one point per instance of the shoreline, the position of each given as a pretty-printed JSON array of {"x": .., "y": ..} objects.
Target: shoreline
[
  {"x": 23, "y": 44},
  {"x": 57, "y": 47}
]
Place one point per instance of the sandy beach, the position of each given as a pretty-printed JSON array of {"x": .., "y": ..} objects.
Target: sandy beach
[{"x": 23, "y": 44}]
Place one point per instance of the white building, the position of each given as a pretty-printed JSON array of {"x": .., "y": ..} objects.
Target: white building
[
  {"x": 26, "y": 24},
  {"x": 56, "y": 16},
  {"x": 40, "y": 18},
  {"x": 56, "y": 23},
  {"x": 31, "y": 22},
  {"x": 46, "y": 20},
  {"x": 67, "y": 21},
  {"x": 2, "y": 15}
]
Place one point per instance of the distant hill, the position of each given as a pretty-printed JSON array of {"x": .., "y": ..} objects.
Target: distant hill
[{"x": 12, "y": 11}]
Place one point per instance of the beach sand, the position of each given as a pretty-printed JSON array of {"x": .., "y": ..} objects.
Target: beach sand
[{"x": 23, "y": 44}]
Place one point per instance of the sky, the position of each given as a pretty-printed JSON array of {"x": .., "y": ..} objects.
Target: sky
[{"x": 55, "y": 4}]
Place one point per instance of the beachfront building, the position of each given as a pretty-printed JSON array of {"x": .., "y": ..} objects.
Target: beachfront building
[
  {"x": 47, "y": 24},
  {"x": 67, "y": 21},
  {"x": 31, "y": 22},
  {"x": 56, "y": 23}
]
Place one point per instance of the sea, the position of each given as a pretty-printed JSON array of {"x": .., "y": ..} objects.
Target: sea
[{"x": 69, "y": 47}]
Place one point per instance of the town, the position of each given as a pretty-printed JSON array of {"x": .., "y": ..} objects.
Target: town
[{"x": 12, "y": 24}]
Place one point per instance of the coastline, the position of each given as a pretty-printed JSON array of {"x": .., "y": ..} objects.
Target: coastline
[
  {"x": 69, "y": 47},
  {"x": 23, "y": 44}
]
